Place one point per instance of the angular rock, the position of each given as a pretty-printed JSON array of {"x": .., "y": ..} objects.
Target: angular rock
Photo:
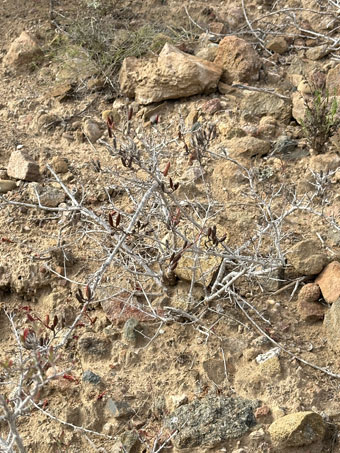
[
  {"x": 332, "y": 326},
  {"x": 307, "y": 257},
  {"x": 211, "y": 420},
  {"x": 257, "y": 105},
  {"x": 119, "y": 409},
  {"x": 202, "y": 269},
  {"x": 329, "y": 282},
  {"x": 92, "y": 378},
  {"x": 317, "y": 52},
  {"x": 7, "y": 185},
  {"x": 208, "y": 53},
  {"x": 48, "y": 196},
  {"x": 174, "y": 74},
  {"x": 238, "y": 59},
  {"x": 212, "y": 106},
  {"x": 310, "y": 311},
  {"x": 23, "y": 50},
  {"x": 247, "y": 147},
  {"x": 278, "y": 45},
  {"x": 297, "y": 429},
  {"x": 299, "y": 107},
  {"x": 21, "y": 166}
]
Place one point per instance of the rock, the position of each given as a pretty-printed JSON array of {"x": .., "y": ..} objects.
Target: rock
[
  {"x": 238, "y": 59},
  {"x": 48, "y": 196},
  {"x": 218, "y": 27},
  {"x": 208, "y": 53},
  {"x": 92, "y": 130},
  {"x": 210, "y": 421},
  {"x": 329, "y": 282},
  {"x": 262, "y": 358},
  {"x": 310, "y": 311},
  {"x": 130, "y": 442},
  {"x": 317, "y": 52},
  {"x": 201, "y": 270},
  {"x": 307, "y": 257},
  {"x": 215, "y": 370},
  {"x": 174, "y": 74},
  {"x": 23, "y": 51},
  {"x": 257, "y": 105},
  {"x": 278, "y": 45},
  {"x": 212, "y": 106},
  {"x": 7, "y": 185},
  {"x": 129, "y": 333},
  {"x": 60, "y": 165},
  {"x": 150, "y": 111},
  {"x": 270, "y": 367},
  {"x": 332, "y": 326},
  {"x": 304, "y": 87},
  {"x": 92, "y": 378},
  {"x": 308, "y": 307},
  {"x": 175, "y": 401},
  {"x": 21, "y": 166},
  {"x": 262, "y": 411},
  {"x": 285, "y": 145},
  {"x": 119, "y": 409},
  {"x": 299, "y": 107},
  {"x": 324, "y": 163},
  {"x": 297, "y": 429},
  {"x": 333, "y": 81},
  {"x": 247, "y": 147},
  {"x": 310, "y": 292}
]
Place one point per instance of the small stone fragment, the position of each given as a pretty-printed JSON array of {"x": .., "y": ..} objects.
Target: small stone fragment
[
  {"x": 129, "y": 333},
  {"x": 212, "y": 106},
  {"x": 297, "y": 429},
  {"x": 278, "y": 45},
  {"x": 317, "y": 52},
  {"x": 310, "y": 311},
  {"x": 21, "y": 166},
  {"x": 92, "y": 378},
  {"x": 329, "y": 282},
  {"x": 48, "y": 196},
  {"x": 7, "y": 185},
  {"x": 92, "y": 130},
  {"x": 60, "y": 165},
  {"x": 119, "y": 409}
]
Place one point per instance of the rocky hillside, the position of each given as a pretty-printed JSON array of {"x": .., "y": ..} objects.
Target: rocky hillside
[{"x": 170, "y": 235}]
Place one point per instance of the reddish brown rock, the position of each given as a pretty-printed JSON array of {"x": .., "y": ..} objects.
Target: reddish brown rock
[
  {"x": 329, "y": 282},
  {"x": 238, "y": 59},
  {"x": 278, "y": 45},
  {"x": 307, "y": 257},
  {"x": 262, "y": 411},
  {"x": 310, "y": 311},
  {"x": 212, "y": 106}
]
